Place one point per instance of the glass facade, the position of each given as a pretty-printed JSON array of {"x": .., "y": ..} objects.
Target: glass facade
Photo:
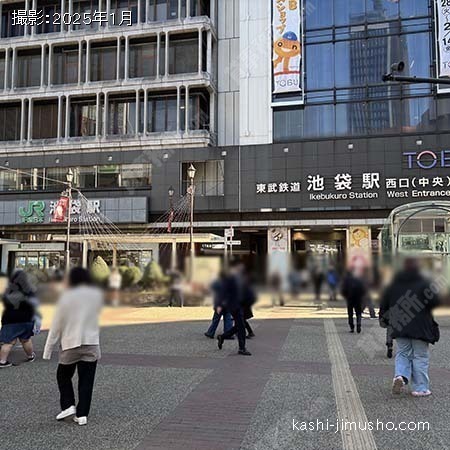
[
  {"x": 349, "y": 45},
  {"x": 209, "y": 177},
  {"x": 86, "y": 177}
]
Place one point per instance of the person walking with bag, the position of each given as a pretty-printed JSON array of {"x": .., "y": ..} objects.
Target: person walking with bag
[
  {"x": 18, "y": 318},
  {"x": 354, "y": 291},
  {"x": 406, "y": 308},
  {"x": 76, "y": 327}
]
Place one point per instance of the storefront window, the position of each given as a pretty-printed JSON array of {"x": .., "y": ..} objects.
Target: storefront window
[
  {"x": 55, "y": 178},
  {"x": 136, "y": 175},
  {"x": 209, "y": 177},
  {"x": 85, "y": 177},
  {"x": 8, "y": 180}
]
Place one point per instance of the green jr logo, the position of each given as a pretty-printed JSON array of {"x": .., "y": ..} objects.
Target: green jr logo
[{"x": 34, "y": 213}]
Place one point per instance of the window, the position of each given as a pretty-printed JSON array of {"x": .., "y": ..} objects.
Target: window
[
  {"x": 45, "y": 120},
  {"x": 122, "y": 115},
  {"x": 136, "y": 175},
  {"x": 8, "y": 180},
  {"x": 83, "y": 117},
  {"x": 198, "y": 111},
  {"x": 108, "y": 176},
  {"x": 85, "y": 9},
  {"x": 10, "y": 122},
  {"x": 142, "y": 58},
  {"x": 85, "y": 177},
  {"x": 162, "y": 114},
  {"x": 103, "y": 62},
  {"x": 183, "y": 54},
  {"x": 65, "y": 65},
  {"x": 55, "y": 177},
  {"x": 49, "y": 9},
  {"x": 209, "y": 177},
  {"x": 118, "y": 7},
  {"x": 9, "y": 30},
  {"x": 160, "y": 10},
  {"x": 28, "y": 68}
]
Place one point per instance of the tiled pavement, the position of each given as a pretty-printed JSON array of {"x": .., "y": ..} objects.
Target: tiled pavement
[{"x": 165, "y": 386}]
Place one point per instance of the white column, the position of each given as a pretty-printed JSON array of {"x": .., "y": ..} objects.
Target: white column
[
  {"x": 67, "y": 128},
  {"x": 7, "y": 64},
  {"x": 166, "y": 69},
  {"x": 60, "y": 111},
  {"x": 158, "y": 53},
  {"x": 200, "y": 50},
  {"x": 98, "y": 117},
  {"x": 118, "y": 59},
  {"x": 179, "y": 9},
  {"x": 13, "y": 69},
  {"x": 69, "y": 28},
  {"x": 34, "y": 8},
  {"x": 88, "y": 61},
  {"x": 212, "y": 113},
  {"x": 209, "y": 52},
  {"x": 139, "y": 4},
  {"x": 173, "y": 262},
  {"x": 137, "y": 114},
  {"x": 145, "y": 111},
  {"x": 178, "y": 108},
  {"x": 212, "y": 11},
  {"x": 84, "y": 258},
  {"x": 43, "y": 65},
  {"x": 188, "y": 8},
  {"x": 186, "y": 111},
  {"x": 105, "y": 116},
  {"x": 50, "y": 65},
  {"x": 108, "y": 12},
  {"x": 27, "y": 8},
  {"x": 127, "y": 44},
  {"x": 1, "y": 7},
  {"x": 63, "y": 10},
  {"x": 80, "y": 60},
  {"x": 22, "y": 120},
  {"x": 30, "y": 119}
]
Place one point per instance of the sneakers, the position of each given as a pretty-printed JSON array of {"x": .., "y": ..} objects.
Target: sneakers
[
  {"x": 209, "y": 336},
  {"x": 358, "y": 330},
  {"x": 31, "y": 358},
  {"x": 351, "y": 330},
  {"x": 80, "y": 420},
  {"x": 389, "y": 353},
  {"x": 5, "y": 364},
  {"x": 220, "y": 341},
  {"x": 250, "y": 335},
  {"x": 70, "y": 411},
  {"x": 397, "y": 385},
  {"x": 426, "y": 393},
  {"x": 244, "y": 352}
]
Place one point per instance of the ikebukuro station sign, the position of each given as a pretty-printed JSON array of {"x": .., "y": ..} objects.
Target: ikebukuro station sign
[{"x": 423, "y": 175}]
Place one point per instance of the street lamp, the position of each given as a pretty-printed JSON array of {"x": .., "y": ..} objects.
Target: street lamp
[
  {"x": 191, "y": 190},
  {"x": 69, "y": 178},
  {"x": 171, "y": 193}
]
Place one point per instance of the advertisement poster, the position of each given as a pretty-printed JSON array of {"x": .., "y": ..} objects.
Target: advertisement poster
[
  {"x": 60, "y": 212},
  {"x": 359, "y": 253},
  {"x": 287, "y": 46},
  {"x": 443, "y": 36}
]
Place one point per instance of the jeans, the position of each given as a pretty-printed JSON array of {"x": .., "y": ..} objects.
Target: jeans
[
  {"x": 227, "y": 322},
  {"x": 86, "y": 376},
  {"x": 239, "y": 328},
  {"x": 412, "y": 361}
]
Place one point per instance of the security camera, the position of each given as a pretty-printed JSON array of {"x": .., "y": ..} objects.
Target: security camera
[{"x": 398, "y": 67}]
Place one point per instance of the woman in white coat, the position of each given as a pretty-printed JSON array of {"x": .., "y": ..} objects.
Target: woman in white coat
[{"x": 76, "y": 327}]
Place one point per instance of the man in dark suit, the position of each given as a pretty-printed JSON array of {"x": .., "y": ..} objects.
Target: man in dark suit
[{"x": 232, "y": 303}]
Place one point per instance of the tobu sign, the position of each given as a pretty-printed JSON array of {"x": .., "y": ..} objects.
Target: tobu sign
[{"x": 428, "y": 159}]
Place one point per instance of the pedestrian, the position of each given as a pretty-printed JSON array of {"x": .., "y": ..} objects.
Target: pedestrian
[
  {"x": 115, "y": 283},
  {"x": 19, "y": 318},
  {"x": 354, "y": 291},
  {"x": 276, "y": 287},
  {"x": 76, "y": 327},
  {"x": 218, "y": 290},
  {"x": 406, "y": 307},
  {"x": 317, "y": 277},
  {"x": 176, "y": 289},
  {"x": 333, "y": 282},
  {"x": 232, "y": 302}
]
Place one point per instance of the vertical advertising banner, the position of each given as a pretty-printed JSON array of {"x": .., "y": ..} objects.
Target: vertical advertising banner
[
  {"x": 287, "y": 66},
  {"x": 443, "y": 36},
  {"x": 359, "y": 250}
]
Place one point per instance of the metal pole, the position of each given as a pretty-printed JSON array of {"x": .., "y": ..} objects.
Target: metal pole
[
  {"x": 191, "y": 231},
  {"x": 69, "y": 193},
  {"x": 421, "y": 80}
]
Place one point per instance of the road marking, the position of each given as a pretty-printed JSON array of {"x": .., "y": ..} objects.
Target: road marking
[{"x": 348, "y": 403}]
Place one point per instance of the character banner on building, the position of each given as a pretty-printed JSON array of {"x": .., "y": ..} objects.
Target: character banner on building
[
  {"x": 443, "y": 37},
  {"x": 287, "y": 61},
  {"x": 359, "y": 252}
]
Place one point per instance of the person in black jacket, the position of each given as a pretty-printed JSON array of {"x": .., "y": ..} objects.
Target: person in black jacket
[
  {"x": 233, "y": 303},
  {"x": 354, "y": 291},
  {"x": 17, "y": 318},
  {"x": 406, "y": 308},
  {"x": 247, "y": 303}
]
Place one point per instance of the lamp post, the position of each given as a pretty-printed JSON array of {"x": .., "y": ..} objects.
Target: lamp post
[
  {"x": 191, "y": 190},
  {"x": 69, "y": 178},
  {"x": 171, "y": 193}
]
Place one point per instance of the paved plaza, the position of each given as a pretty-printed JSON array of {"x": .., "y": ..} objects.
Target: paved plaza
[{"x": 162, "y": 385}]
